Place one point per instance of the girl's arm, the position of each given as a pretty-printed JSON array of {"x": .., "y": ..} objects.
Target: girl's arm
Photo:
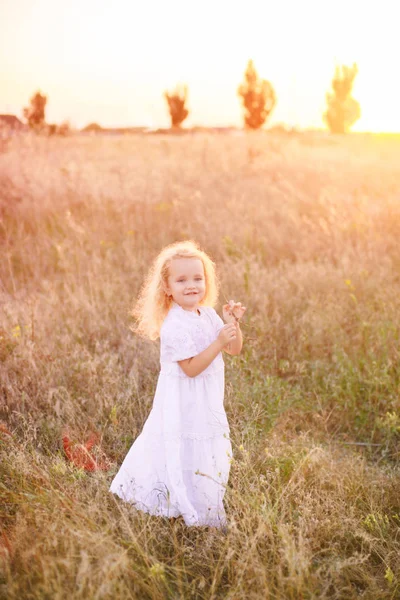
[
  {"x": 197, "y": 364},
  {"x": 235, "y": 347}
]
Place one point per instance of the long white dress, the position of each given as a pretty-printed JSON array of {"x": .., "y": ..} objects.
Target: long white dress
[{"x": 179, "y": 464}]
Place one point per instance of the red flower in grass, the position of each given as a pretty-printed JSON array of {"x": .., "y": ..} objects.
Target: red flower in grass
[
  {"x": 6, "y": 549},
  {"x": 3, "y": 429},
  {"x": 79, "y": 454}
]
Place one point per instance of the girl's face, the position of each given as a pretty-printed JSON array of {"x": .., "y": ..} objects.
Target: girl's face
[{"x": 186, "y": 282}]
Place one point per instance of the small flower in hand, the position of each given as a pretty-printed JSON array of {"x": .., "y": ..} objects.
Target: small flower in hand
[{"x": 233, "y": 311}]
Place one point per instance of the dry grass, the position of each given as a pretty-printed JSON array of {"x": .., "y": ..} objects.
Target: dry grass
[{"x": 305, "y": 231}]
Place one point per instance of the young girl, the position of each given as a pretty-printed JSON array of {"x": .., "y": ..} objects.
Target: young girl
[{"x": 179, "y": 464}]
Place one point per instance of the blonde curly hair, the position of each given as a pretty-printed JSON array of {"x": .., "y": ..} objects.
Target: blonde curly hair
[{"x": 153, "y": 303}]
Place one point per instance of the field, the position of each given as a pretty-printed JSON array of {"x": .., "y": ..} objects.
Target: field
[{"x": 305, "y": 231}]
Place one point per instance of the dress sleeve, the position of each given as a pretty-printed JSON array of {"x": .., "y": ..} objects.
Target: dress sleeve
[
  {"x": 177, "y": 343},
  {"x": 217, "y": 321}
]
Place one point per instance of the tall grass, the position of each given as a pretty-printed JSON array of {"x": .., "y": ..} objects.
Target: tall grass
[{"x": 305, "y": 231}]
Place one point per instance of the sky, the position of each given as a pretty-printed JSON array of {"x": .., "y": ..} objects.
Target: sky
[{"x": 110, "y": 61}]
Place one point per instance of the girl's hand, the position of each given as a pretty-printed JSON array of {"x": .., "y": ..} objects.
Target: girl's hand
[
  {"x": 227, "y": 334},
  {"x": 233, "y": 311}
]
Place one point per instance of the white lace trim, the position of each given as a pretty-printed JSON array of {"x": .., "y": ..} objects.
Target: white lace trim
[
  {"x": 195, "y": 436},
  {"x": 216, "y": 517}
]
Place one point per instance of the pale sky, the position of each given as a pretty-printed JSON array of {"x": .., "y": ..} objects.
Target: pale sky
[{"x": 109, "y": 61}]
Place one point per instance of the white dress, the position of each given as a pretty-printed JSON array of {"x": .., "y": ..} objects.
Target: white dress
[{"x": 179, "y": 464}]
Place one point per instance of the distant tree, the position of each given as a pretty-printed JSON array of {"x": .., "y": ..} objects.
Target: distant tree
[
  {"x": 258, "y": 98},
  {"x": 63, "y": 129},
  {"x": 92, "y": 127},
  {"x": 35, "y": 113},
  {"x": 343, "y": 110},
  {"x": 176, "y": 101}
]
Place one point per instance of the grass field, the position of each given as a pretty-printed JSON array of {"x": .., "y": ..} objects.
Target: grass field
[{"x": 305, "y": 232}]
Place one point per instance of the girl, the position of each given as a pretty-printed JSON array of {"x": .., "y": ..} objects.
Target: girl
[{"x": 179, "y": 464}]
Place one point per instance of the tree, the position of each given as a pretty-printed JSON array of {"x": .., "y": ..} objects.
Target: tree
[
  {"x": 92, "y": 128},
  {"x": 258, "y": 98},
  {"x": 35, "y": 113},
  {"x": 343, "y": 110},
  {"x": 176, "y": 105},
  {"x": 63, "y": 129}
]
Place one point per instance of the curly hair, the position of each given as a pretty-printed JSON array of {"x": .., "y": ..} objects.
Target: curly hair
[{"x": 153, "y": 303}]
